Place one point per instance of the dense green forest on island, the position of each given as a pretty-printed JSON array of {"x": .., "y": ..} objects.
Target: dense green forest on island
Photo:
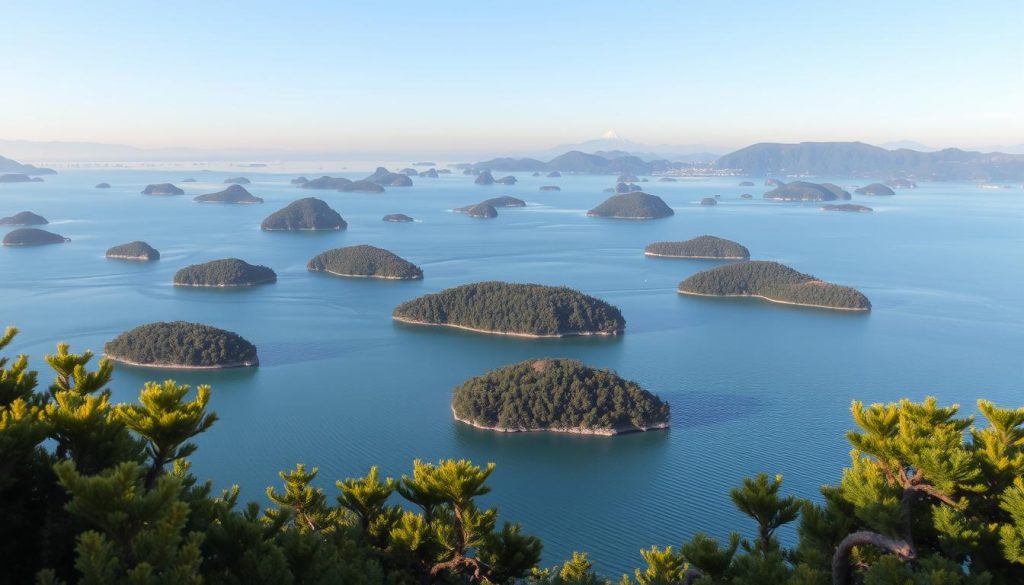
[
  {"x": 137, "y": 250},
  {"x": 364, "y": 260},
  {"x": 557, "y": 395},
  {"x": 99, "y": 493},
  {"x": 635, "y": 205},
  {"x": 224, "y": 272},
  {"x": 699, "y": 247},
  {"x": 773, "y": 281},
  {"x": 525, "y": 309},
  {"x": 183, "y": 344}
]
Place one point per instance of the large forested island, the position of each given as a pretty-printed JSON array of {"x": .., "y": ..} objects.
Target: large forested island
[
  {"x": 636, "y": 205},
  {"x": 136, "y": 250},
  {"x": 33, "y": 237},
  {"x": 704, "y": 247},
  {"x": 225, "y": 273},
  {"x": 235, "y": 194},
  {"x": 494, "y": 202},
  {"x": 162, "y": 189},
  {"x": 308, "y": 213},
  {"x": 24, "y": 218},
  {"x": 180, "y": 344},
  {"x": 557, "y": 395},
  {"x": 525, "y": 310},
  {"x": 773, "y": 282},
  {"x": 364, "y": 262}
]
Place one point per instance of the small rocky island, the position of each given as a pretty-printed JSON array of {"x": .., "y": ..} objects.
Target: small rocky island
[
  {"x": 557, "y": 395},
  {"x": 226, "y": 273},
  {"x": 701, "y": 247},
  {"x": 847, "y": 207},
  {"x": 509, "y": 180},
  {"x": 32, "y": 237},
  {"x": 188, "y": 180},
  {"x": 901, "y": 183},
  {"x": 233, "y": 195},
  {"x": 746, "y": 183},
  {"x": 668, "y": 180},
  {"x": 550, "y": 188},
  {"x": 636, "y": 205},
  {"x": 398, "y": 218},
  {"x": 773, "y": 282},
  {"x": 523, "y": 310},
  {"x": 162, "y": 189},
  {"x": 479, "y": 211},
  {"x": 237, "y": 181},
  {"x": 137, "y": 250},
  {"x": 554, "y": 174},
  {"x": 806, "y": 191},
  {"x": 504, "y": 201},
  {"x": 102, "y": 185},
  {"x": 362, "y": 186},
  {"x": 746, "y": 196},
  {"x": 709, "y": 201},
  {"x": 24, "y": 218},
  {"x": 429, "y": 173},
  {"x": 180, "y": 344},
  {"x": 364, "y": 262},
  {"x": 324, "y": 182},
  {"x": 308, "y": 213},
  {"x": 484, "y": 178},
  {"x": 386, "y": 178},
  {"x": 19, "y": 178},
  {"x": 875, "y": 189},
  {"x": 299, "y": 181}
]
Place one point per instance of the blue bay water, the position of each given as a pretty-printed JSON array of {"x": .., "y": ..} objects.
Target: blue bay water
[{"x": 753, "y": 386}]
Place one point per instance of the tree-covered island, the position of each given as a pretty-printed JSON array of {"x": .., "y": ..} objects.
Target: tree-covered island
[
  {"x": 524, "y": 310},
  {"x": 557, "y": 395},
  {"x": 364, "y": 261},
  {"x": 180, "y": 344}
]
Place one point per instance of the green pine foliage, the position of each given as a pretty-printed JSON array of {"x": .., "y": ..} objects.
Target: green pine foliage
[
  {"x": 97, "y": 493},
  {"x": 366, "y": 261},
  {"x": 557, "y": 395},
  {"x": 524, "y": 309},
  {"x": 182, "y": 344},
  {"x": 775, "y": 282},
  {"x": 227, "y": 272}
]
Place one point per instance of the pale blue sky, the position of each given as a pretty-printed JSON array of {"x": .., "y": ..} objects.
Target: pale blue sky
[{"x": 504, "y": 76}]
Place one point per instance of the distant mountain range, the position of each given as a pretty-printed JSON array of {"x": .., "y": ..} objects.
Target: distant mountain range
[
  {"x": 610, "y": 141},
  {"x": 575, "y": 161},
  {"x": 12, "y": 166},
  {"x": 856, "y": 159}
]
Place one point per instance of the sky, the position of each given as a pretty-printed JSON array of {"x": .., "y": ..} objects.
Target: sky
[{"x": 494, "y": 77}]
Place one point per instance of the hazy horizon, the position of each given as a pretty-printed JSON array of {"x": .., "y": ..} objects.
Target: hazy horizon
[{"x": 491, "y": 80}]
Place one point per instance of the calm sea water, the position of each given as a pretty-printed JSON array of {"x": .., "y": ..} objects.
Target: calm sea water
[{"x": 753, "y": 386}]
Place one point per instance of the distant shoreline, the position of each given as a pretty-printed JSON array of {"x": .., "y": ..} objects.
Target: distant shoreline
[
  {"x": 570, "y": 431},
  {"x": 771, "y": 300},
  {"x": 695, "y": 257},
  {"x": 182, "y": 367},
  {"x": 420, "y": 277},
  {"x": 243, "y": 285},
  {"x": 507, "y": 333}
]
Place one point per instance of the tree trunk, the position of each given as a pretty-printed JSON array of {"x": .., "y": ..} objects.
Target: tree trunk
[{"x": 841, "y": 558}]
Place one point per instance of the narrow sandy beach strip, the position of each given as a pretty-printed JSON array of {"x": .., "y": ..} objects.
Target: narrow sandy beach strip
[{"x": 508, "y": 333}]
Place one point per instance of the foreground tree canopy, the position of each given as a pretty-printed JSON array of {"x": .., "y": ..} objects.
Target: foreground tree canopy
[
  {"x": 774, "y": 282},
  {"x": 557, "y": 395},
  {"x": 94, "y": 493},
  {"x": 515, "y": 309}
]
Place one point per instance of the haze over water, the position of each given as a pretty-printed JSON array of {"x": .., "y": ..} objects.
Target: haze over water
[{"x": 753, "y": 386}]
